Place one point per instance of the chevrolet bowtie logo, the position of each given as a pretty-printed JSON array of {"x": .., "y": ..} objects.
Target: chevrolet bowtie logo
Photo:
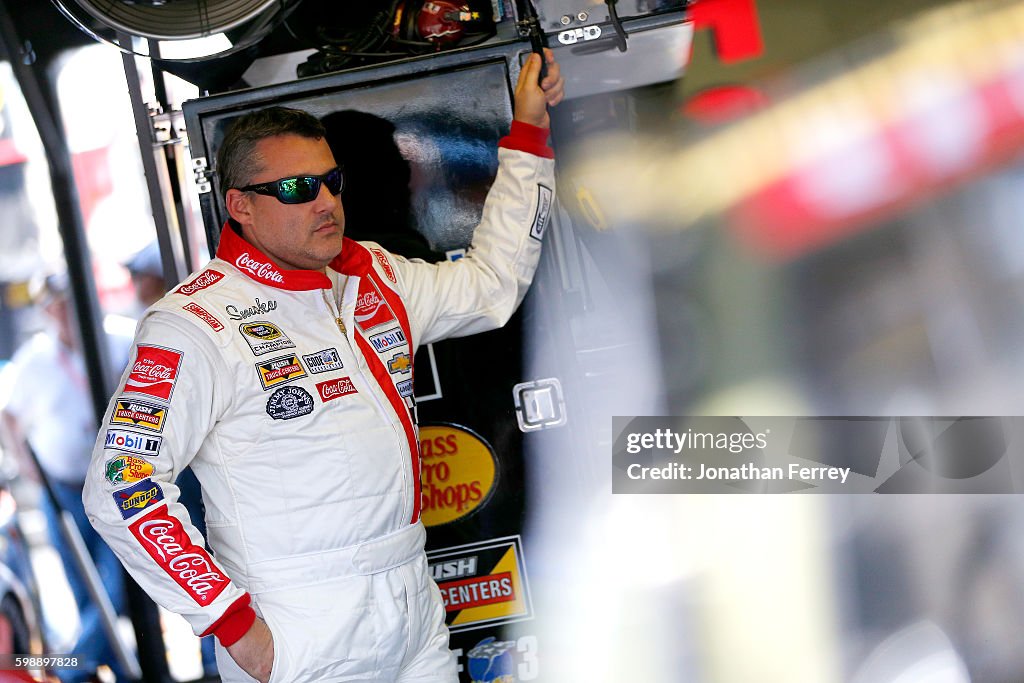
[{"x": 399, "y": 363}]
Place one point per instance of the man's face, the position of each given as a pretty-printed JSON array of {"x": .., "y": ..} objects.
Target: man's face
[{"x": 295, "y": 236}]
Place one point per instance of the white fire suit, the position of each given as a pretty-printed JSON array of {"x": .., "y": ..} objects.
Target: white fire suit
[{"x": 302, "y": 433}]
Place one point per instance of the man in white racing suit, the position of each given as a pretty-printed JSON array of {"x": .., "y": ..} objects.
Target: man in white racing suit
[{"x": 282, "y": 374}]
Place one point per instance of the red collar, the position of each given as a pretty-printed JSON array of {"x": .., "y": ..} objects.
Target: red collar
[
  {"x": 255, "y": 265},
  {"x": 354, "y": 259}
]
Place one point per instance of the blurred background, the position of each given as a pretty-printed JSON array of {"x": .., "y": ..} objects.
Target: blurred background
[{"x": 766, "y": 207}]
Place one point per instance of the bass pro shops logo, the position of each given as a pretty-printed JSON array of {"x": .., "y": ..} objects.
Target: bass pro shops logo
[
  {"x": 457, "y": 475},
  {"x": 163, "y": 537},
  {"x": 127, "y": 469}
]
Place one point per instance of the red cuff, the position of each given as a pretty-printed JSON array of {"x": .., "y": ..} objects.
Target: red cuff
[
  {"x": 528, "y": 138},
  {"x": 234, "y": 623}
]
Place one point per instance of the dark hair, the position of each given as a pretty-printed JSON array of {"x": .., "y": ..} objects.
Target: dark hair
[{"x": 237, "y": 160}]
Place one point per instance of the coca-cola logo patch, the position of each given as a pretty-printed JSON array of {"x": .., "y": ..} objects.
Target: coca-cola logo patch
[
  {"x": 164, "y": 538},
  {"x": 335, "y": 388},
  {"x": 371, "y": 309},
  {"x": 153, "y": 372},
  {"x": 259, "y": 270},
  {"x": 202, "y": 281}
]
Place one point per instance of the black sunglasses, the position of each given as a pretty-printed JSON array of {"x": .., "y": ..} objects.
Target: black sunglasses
[{"x": 299, "y": 189}]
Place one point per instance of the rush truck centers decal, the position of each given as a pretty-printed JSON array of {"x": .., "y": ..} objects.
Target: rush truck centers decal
[
  {"x": 163, "y": 537},
  {"x": 482, "y": 584},
  {"x": 279, "y": 370},
  {"x": 134, "y": 499},
  {"x": 204, "y": 315},
  {"x": 139, "y": 414},
  {"x": 458, "y": 473},
  {"x": 371, "y": 309},
  {"x": 133, "y": 442},
  {"x": 127, "y": 469},
  {"x": 335, "y": 388},
  {"x": 153, "y": 372},
  {"x": 263, "y": 337}
]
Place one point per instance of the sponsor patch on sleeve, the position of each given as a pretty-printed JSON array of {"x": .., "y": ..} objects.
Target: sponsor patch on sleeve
[
  {"x": 400, "y": 362},
  {"x": 335, "y": 388},
  {"x": 154, "y": 371},
  {"x": 138, "y": 497},
  {"x": 387, "y": 340},
  {"x": 204, "y": 315},
  {"x": 279, "y": 370},
  {"x": 139, "y": 414},
  {"x": 127, "y": 469},
  {"x": 385, "y": 265},
  {"x": 540, "y": 216},
  {"x": 162, "y": 536},
  {"x": 404, "y": 388},
  {"x": 371, "y": 308},
  {"x": 133, "y": 442}
]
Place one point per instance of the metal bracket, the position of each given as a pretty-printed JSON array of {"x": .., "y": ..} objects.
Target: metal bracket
[
  {"x": 539, "y": 404},
  {"x": 203, "y": 175},
  {"x": 575, "y": 35}
]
